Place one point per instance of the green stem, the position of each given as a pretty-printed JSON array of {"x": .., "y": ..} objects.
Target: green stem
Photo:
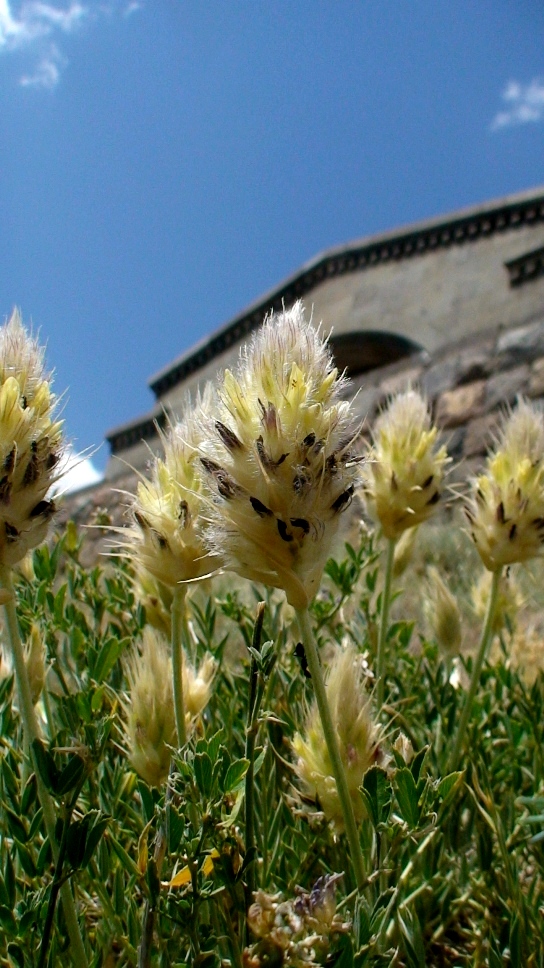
[
  {"x": 487, "y": 635},
  {"x": 178, "y": 619},
  {"x": 331, "y": 740},
  {"x": 255, "y": 695},
  {"x": 31, "y": 731},
  {"x": 384, "y": 620}
]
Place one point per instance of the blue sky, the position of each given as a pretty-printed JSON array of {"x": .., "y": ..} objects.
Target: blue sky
[{"x": 164, "y": 162}]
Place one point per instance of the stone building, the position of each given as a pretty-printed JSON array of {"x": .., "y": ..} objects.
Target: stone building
[{"x": 454, "y": 305}]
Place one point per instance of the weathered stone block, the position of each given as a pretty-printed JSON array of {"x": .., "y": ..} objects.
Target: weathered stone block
[
  {"x": 399, "y": 382},
  {"x": 536, "y": 378},
  {"x": 479, "y": 434},
  {"x": 504, "y": 386},
  {"x": 464, "y": 403},
  {"x": 523, "y": 342}
]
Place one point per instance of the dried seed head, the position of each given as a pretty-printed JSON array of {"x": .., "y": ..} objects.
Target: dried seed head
[
  {"x": 357, "y": 733},
  {"x": 443, "y": 614},
  {"x": 166, "y": 534},
  {"x": 506, "y": 508},
  {"x": 404, "y": 471},
  {"x": 197, "y": 687},
  {"x": 30, "y": 443},
  {"x": 279, "y": 460}
]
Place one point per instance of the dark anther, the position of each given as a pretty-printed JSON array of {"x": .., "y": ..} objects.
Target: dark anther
[
  {"x": 141, "y": 521},
  {"x": 183, "y": 514},
  {"x": 225, "y": 484},
  {"x": 500, "y": 513},
  {"x": 228, "y": 437},
  {"x": 309, "y": 441},
  {"x": 9, "y": 462},
  {"x": 330, "y": 464},
  {"x": 47, "y": 508},
  {"x": 11, "y": 533},
  {"x": 209, "y": 465},
  {"x": 538, "y": 523},
  {"x": 266, "y": 461},
  {"x": 34, "y": 447},
  {"x": 394, "y": 483},
  {"x": 161, "y": 540},
  {"x": 24, "y": 403},
  {"x": 5, "y": 490},
  {"x": 428, "y": 482},
  {"x": 300, "y": 523},
  {"x": 31, "y": 473},
  {"x": 512, "y": 532},
  {"x": 259, "y": 507},
  {"x": 52, "y": 461},
  {"x": 283, "y": 532},
  {"x": 435, "y": 498},
  {"x": 300, "y": 482},
  {"x": 301, "y": 656},
  {"x": 343, "y": 500}
]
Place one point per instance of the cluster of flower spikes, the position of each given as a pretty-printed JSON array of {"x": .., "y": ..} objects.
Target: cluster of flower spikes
[
  {"x": 358, "y": 737},
  {"x": 151, "y": 723},
  {"x": 404, "y": 469},
  {"x": 30, "y": 443},
  {"x": 166, "y": 536},
  {"x": 297, "y": 931},
  {"x": 279, "y": 459},
  {"x": 506, "y": 509}
]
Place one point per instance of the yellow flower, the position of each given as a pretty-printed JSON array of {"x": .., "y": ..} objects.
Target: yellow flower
[
  {"x": 357, "y": 733},
  {"x": 280, "y": 461},
  {"x": 30, "y": 443},
  {"x": 151, "y": 722},
  {"x": 506, "y": 509},
  {"x": 166, "y": 534},
  {"x": 404, "y": 470}
]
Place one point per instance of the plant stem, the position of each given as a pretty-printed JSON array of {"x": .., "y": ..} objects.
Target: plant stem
[
  {"x": 487, "y": 634},
  {"x": 178, "y": 619},
  {"x": 255, "y": 695},
  {"x": 329, "y": 732},
  {"x": 31, "y": 732},
  {"x": 384, "y": 620}
]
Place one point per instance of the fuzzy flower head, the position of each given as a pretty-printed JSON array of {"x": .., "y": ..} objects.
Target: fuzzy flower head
[
  {"x": 30, "y": 443},
  {"x": 151, "y": 724},
  {"x": 443, "y": 614},
  {"x": 506, "y": 509},
  {"x": 279, "y": 463},
  {"x": 166, "y": 537},
  {"x": 357, "y": 733},
  {"x": 404, "y": 470},
  {"x": 510, "y": 601}
]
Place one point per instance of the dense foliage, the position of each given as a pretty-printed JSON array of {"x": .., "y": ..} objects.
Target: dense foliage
[{"x": 454, "y": 860}]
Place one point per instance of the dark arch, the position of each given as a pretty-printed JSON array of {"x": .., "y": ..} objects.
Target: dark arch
[{"x": 364, "y": 350}]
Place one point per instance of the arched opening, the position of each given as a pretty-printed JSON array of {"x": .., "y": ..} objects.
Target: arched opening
[{"x": 364, "y": 350}]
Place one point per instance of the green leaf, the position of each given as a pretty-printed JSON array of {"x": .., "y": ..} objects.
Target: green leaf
[
  {"x": 203, "y": 773},
  {"x": 7, "y": 920},
  {"x": 107, "y": 657},
  {"x": 376, "y": 793},
  {"x": 9, "y": 881},
  {"x": 71, "y": 775},
  {"x": 417, "y": 762},
  {"x": 344, "y": 958},
  {"x": 125, "y": 859},
  {"x": 93, "y": 838},
  {"x": 27, "y": 862},
  {"x": 16, "y": 826},
  {"x": 45, "y": 765},
  {"x": 235, "y": 775},
  {"x": 16, "y": 955},
  {"x": 407, "y": 796}
]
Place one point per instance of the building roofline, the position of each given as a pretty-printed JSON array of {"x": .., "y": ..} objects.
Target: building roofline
[{"x": 465, "y": 225}]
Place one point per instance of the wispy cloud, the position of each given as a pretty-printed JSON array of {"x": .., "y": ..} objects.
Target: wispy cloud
[
  {"x": 524, "y": 103},
  {"x": 35, "y": 28}
]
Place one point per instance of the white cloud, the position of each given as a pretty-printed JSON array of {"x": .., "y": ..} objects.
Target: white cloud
[
  {"x": 77, "y": 472},
  {"x": 35, "y": 27},
  {"x": 524, "y": 103}
]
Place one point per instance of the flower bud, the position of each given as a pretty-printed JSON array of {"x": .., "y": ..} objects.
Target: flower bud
[
  {"x": 443, "y": 614},
  {"x": 151, "y": 722},
  {"x": 35, "y": 662}
]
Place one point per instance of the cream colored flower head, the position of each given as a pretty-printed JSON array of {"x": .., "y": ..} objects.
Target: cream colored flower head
[
  {"x": 506, "y": 508},
  {"x": 510, "y": 600},
  {"x": 404, "y": 470},
  {"x": 151, "y": 722},
  {"x": 30, "y": 443},
  {"x": 358, "y": 737},
  {"x": 166, "y": 536},
  {"x": 280, "y": 461}
]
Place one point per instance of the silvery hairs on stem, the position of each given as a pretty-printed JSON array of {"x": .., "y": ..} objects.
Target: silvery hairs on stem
[
  {"x": 279, "y": 458},
  {"x": 30, "y": 443}
]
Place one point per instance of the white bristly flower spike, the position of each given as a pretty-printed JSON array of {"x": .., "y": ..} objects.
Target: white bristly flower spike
[
  {"x": 279, "y": 460},
  {"x": 30, "y": 443},
  {"x": 506, "y": 509},
  {"x": 166, "y": 536}
]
